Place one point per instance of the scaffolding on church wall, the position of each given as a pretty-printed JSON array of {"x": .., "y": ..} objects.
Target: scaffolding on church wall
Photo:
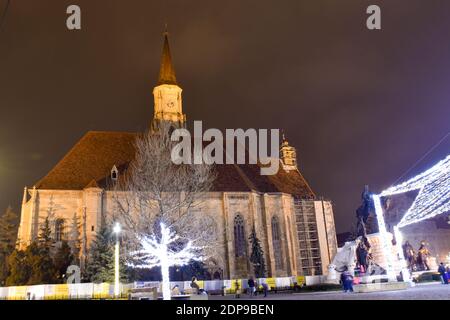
[{"x": 309, "y": 259}]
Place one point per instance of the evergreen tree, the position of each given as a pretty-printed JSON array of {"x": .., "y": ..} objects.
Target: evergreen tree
[
  {"x": 9, "y": 223},
  {"x": 100, "y": 263},
  {"x": 75, "y": 240},
  {"x": 39, "y": 257},
  {"x": 257, "y": 256},
  {"x": 62, "y": 260},
  {"x": 193, "y": 269},
  {"x": 19, "y": 269},
  {"x": 45, "y": 236}
]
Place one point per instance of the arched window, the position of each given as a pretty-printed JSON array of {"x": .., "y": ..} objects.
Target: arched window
[
  {"x": 239, "y": 237},
  {"x": 59, "y": 229},
  {"x": 276, "y": 242}
]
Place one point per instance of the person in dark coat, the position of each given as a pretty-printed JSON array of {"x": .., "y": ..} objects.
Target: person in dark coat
[
  {"x": 251, "y": 286},
  {"x": 443, "y": 272},
  {"x": 347, "y": 280}
]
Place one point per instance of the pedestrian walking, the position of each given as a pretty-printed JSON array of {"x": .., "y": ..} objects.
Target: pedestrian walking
[
  {"x": 251, "y": 286},
  {"x": 347, "y": 280},
  {"x": 265, "y": 289},
  {"x": 443, "y": 272}
]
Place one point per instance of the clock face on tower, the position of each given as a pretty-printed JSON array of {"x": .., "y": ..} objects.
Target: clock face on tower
[{"x": 170, "y": 104}]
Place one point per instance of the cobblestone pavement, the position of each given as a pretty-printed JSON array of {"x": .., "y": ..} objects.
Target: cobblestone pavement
[{"x": 419, "y": 292}]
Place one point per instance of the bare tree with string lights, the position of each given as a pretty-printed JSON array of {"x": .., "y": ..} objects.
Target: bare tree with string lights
[{"x": 159, "y": 205}]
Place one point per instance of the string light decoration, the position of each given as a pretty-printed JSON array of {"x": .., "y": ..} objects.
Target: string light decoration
[
  {"x": 432, "y": 199},
  {"x": 434, "y": 193},
  {"x": 164, "y": 251},
  {"x": 401, "y": 257},
  {"x": 385, "y": 241}
]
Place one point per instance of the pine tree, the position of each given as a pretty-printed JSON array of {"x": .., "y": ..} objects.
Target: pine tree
[
  {"x": 257, "y": 256},
  {"x": 9, "y": 222},
  {"x": 45, "y": 236},
  {"x": 62, "y": 260},
  {"x": 100, "y": 263},
  {"x": 19, "y": 269},
  {"x": 40, "y": 259},
  {"x": 75, "y": 240}
]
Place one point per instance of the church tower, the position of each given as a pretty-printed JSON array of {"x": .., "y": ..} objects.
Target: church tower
[
  {"x": 167, "y": 94},
  {"x": 288, "y": 155}
]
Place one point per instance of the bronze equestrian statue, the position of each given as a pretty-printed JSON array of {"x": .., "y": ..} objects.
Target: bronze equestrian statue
[{"x": 363, "y": 255}]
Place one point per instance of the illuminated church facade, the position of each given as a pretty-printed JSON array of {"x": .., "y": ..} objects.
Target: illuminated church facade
[{"x": 296, "y": 228}]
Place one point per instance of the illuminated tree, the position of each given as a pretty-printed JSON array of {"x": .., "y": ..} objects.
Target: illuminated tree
[{"x": 158, "y": 203}]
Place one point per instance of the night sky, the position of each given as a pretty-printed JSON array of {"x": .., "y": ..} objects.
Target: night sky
[{"x": 360, "y": 106}]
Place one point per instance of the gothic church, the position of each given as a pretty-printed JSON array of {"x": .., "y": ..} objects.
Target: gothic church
[{"x": 295, "y": 227}]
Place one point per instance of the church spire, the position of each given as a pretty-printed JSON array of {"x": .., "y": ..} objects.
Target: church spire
[
  {"x": 167, "y": 94},
  {"x": 166, "y": 70}
]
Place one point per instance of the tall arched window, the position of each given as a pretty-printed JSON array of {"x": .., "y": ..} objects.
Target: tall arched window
[
  {"x": 239, "y": 237},
  {"x": 59, "y": 229},
  {"x": 276, "y": 242}
]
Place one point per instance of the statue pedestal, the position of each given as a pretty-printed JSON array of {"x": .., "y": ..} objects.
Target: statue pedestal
[
  {"x": 379, "y": 256},
  {"x": 382, "y": 286},
  {"x": 432, "y": 263}
]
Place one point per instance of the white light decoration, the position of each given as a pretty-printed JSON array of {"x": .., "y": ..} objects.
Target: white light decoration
[
  {"x": 399, "y": 240},
  {"x": 385, "y": 241},
  {"x": 159, "y": 252},
  {"x": 434, "y": 193},
  {"x": 116, "y": 230},
  {"x": 432, "y": 199}
]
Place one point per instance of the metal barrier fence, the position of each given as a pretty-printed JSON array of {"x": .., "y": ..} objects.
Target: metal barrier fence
[{"x": 106, "y": 290}]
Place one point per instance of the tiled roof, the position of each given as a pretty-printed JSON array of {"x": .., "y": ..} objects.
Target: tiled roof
[
  {"x": 91, "y": 158},
  {"x": 89, "y": 164}
]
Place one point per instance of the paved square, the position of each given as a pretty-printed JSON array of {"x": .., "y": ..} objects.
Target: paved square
[{"x": 420, "y": 292}]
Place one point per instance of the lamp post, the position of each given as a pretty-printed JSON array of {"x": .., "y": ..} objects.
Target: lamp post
[{"x": 116, "y": 230}]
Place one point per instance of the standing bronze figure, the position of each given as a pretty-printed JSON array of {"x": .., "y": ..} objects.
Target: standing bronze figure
[
  {"x": 408, "y": 252},
  {"x": 422, "y": 257}
]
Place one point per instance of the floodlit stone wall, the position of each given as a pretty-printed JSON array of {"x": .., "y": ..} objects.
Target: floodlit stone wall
[{"x": 86, "y": 208}]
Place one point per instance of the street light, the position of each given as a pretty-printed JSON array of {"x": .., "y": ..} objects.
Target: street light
[{"x": 116, "y": 230}]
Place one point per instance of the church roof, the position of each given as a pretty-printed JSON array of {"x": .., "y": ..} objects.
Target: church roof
[
  {"x": 91, "y": 158},
  {"x": 166, "y": 70},
  {"x": 89, "y": 163}
]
